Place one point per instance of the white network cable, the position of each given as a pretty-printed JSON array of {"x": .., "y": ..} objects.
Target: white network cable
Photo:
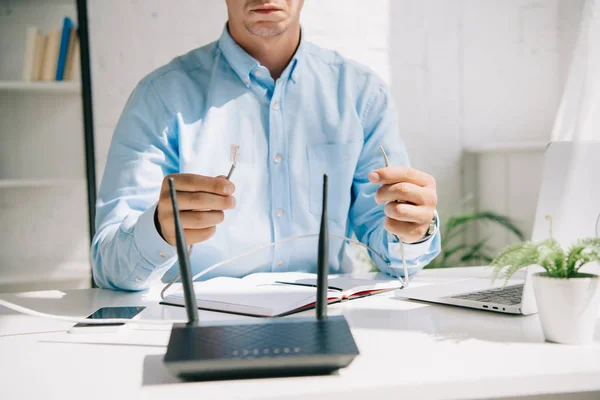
[
  {"x": 77, "y": 320},
  {"x": 100, "y": 321},
  {"x": 404, "y": 282}
]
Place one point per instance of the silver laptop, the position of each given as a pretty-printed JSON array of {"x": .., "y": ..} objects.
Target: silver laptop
[{"x": 570, "y": 193}]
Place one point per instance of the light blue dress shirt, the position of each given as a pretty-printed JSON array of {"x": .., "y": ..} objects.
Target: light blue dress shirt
[{"x": 324, "y": 114}]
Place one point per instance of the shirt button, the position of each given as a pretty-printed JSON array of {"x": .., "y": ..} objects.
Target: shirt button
[
  {"x": 277, "y": 158},
  {"x": 258, "y": 72},
  {"x": 279, "y": 263},
  {"x": 138, "y": 279},
  {"x": 295, "y": 76},
  {"x": 279, "y": 212},
  {"x": 162, "y": 254},
  {"x": 275, "y": 105},
  {"x": 246, "y": 81}
]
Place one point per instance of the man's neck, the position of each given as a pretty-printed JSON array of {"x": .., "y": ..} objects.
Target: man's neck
[{"x": 273, "y": 52}]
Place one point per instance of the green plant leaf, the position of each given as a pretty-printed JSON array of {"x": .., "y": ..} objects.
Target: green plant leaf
[
  {"x": 448, "y": 236},
  {"x": 478, "y": 258},
  {"x": 553, "y": 258},
  {"x": 575, "y": 258},
  {"x": 450, "y": 252},
  {"x": 557, "y": 262},
  {"x": 581, "y": 253},
  {"x": 591, "y": 242},
  {"x": 501, "y": 220},
  {"x": 486, "y": 258},
  {"x": 513, "y": 258},
  {"x": 474, "y": 250},
  {"x": 454, "y": 251}
]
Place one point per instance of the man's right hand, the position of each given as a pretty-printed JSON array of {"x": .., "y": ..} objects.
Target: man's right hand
[{"x": 201, "y": 201}]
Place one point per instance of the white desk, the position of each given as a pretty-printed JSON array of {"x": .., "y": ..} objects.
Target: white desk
[{"x": 409, "y": 350}]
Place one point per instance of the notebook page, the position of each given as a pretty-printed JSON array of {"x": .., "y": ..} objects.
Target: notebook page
[
  {"x": 249, "y": 297},
  {"x": 274, "y": 277},
  {"x": 349, "y": 284}
]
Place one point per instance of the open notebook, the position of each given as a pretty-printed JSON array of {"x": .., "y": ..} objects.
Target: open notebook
[{"x": 278, "y": 294}]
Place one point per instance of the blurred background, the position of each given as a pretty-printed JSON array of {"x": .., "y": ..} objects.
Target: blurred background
[{"x": 477, "y": 83}]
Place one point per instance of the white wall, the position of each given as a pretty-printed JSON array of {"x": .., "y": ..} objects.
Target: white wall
[
  {"x": 470, "y": 72},
  {"x": 462, "y": 72},
  {"x": 129, "y": 39}
]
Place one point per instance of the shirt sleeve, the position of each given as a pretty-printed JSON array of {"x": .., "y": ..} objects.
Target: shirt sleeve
[
  {"x": 379, "y": 119},
  {"x": 127, "y": 251}
]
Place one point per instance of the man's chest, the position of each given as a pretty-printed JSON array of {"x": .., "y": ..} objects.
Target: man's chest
[
  {"x": 287, "y": 139},
  {"x": 285, "y": 120}
]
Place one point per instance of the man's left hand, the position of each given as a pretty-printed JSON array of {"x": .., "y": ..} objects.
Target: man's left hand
[{"x": 411, "y": 198}]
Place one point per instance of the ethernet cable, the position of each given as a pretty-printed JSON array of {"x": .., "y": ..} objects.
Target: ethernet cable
[
  {"x": 24, "y": 310},
  {"x": 404, "y": 282},
  {"x": 99, "y": 321}
]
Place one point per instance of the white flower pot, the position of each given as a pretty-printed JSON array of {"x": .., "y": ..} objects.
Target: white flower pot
[{"x": 567, "y": 307}]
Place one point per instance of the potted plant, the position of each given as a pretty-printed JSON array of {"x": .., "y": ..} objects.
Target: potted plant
[
  {"x": 567, "y": 299},
  {"x": 456, "y": 252}
]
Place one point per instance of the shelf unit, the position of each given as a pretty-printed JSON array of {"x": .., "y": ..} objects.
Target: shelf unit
[
  {"x": 41, "y": 183},
  {"x": 41, "y": 87},
  {"x": 46, "y": 158}
]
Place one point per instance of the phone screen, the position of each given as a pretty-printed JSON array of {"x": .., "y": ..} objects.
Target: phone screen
[{"x": 113, "y": 312}]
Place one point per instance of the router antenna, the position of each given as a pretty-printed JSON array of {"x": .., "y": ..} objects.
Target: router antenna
[
  {"x": 184, "y": 262},
  {"x": 323, "y": 259},
  {"x": 321, "y": 345}
]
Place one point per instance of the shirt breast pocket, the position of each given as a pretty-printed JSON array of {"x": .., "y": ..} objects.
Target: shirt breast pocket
[{"x": 338, "y": 161}]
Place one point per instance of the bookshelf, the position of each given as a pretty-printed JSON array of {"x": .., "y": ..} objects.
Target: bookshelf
[
  {"x": 41, "y": 87},
  {"x": 44, "y": 158},
  {"x": 24, "y": 183}
]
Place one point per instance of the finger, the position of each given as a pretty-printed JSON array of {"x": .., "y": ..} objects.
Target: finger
[
  {"x": 199, "y": 183},
  {"x": 204, "y": 201},
  {"x": 408, "y": 232},
  {"x": 391, "y": 175},
  {"x": 198, "y": 235},
  {"x": 201, "y": 219},
  {"x": 408, "y": 212},
  {"x": 406, "y": 192}
]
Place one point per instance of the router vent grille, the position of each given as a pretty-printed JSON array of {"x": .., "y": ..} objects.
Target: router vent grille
[{"x": 264, "y": 340}]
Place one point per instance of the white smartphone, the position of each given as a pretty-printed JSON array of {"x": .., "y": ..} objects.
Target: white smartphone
[{"x": 107, "y": 312}]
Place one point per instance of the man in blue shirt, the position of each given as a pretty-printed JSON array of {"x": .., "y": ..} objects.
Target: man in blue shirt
[{"x": 294, "y": 111}]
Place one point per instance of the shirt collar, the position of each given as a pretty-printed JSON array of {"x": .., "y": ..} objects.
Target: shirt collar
[{"x": 243, "y": 63}]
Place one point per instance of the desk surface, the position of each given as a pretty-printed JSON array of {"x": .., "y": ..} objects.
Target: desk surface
[{"x": 408, "y": 350}]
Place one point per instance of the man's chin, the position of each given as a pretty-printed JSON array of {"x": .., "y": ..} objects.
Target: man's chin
[{"x": 266, "y": 28}]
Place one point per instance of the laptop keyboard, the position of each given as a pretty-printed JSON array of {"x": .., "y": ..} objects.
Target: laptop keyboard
[{"x": 509, "y": 295}]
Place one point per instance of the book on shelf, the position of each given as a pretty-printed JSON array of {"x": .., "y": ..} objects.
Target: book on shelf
[
  {"x": 31, "y": 36},
  {"x": 73, "y": 58},
  {"x": 271, "y": 294},
  {"x": 53, "y": 56},
  {"x": 68, "y": 27},
  {"x": 38, "y": 58}
]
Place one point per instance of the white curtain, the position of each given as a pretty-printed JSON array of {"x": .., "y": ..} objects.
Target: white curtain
[{"x": 578, "y": 116}]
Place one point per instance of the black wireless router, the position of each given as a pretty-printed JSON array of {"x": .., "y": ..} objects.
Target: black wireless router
[{"x": 278, "y": 347}]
